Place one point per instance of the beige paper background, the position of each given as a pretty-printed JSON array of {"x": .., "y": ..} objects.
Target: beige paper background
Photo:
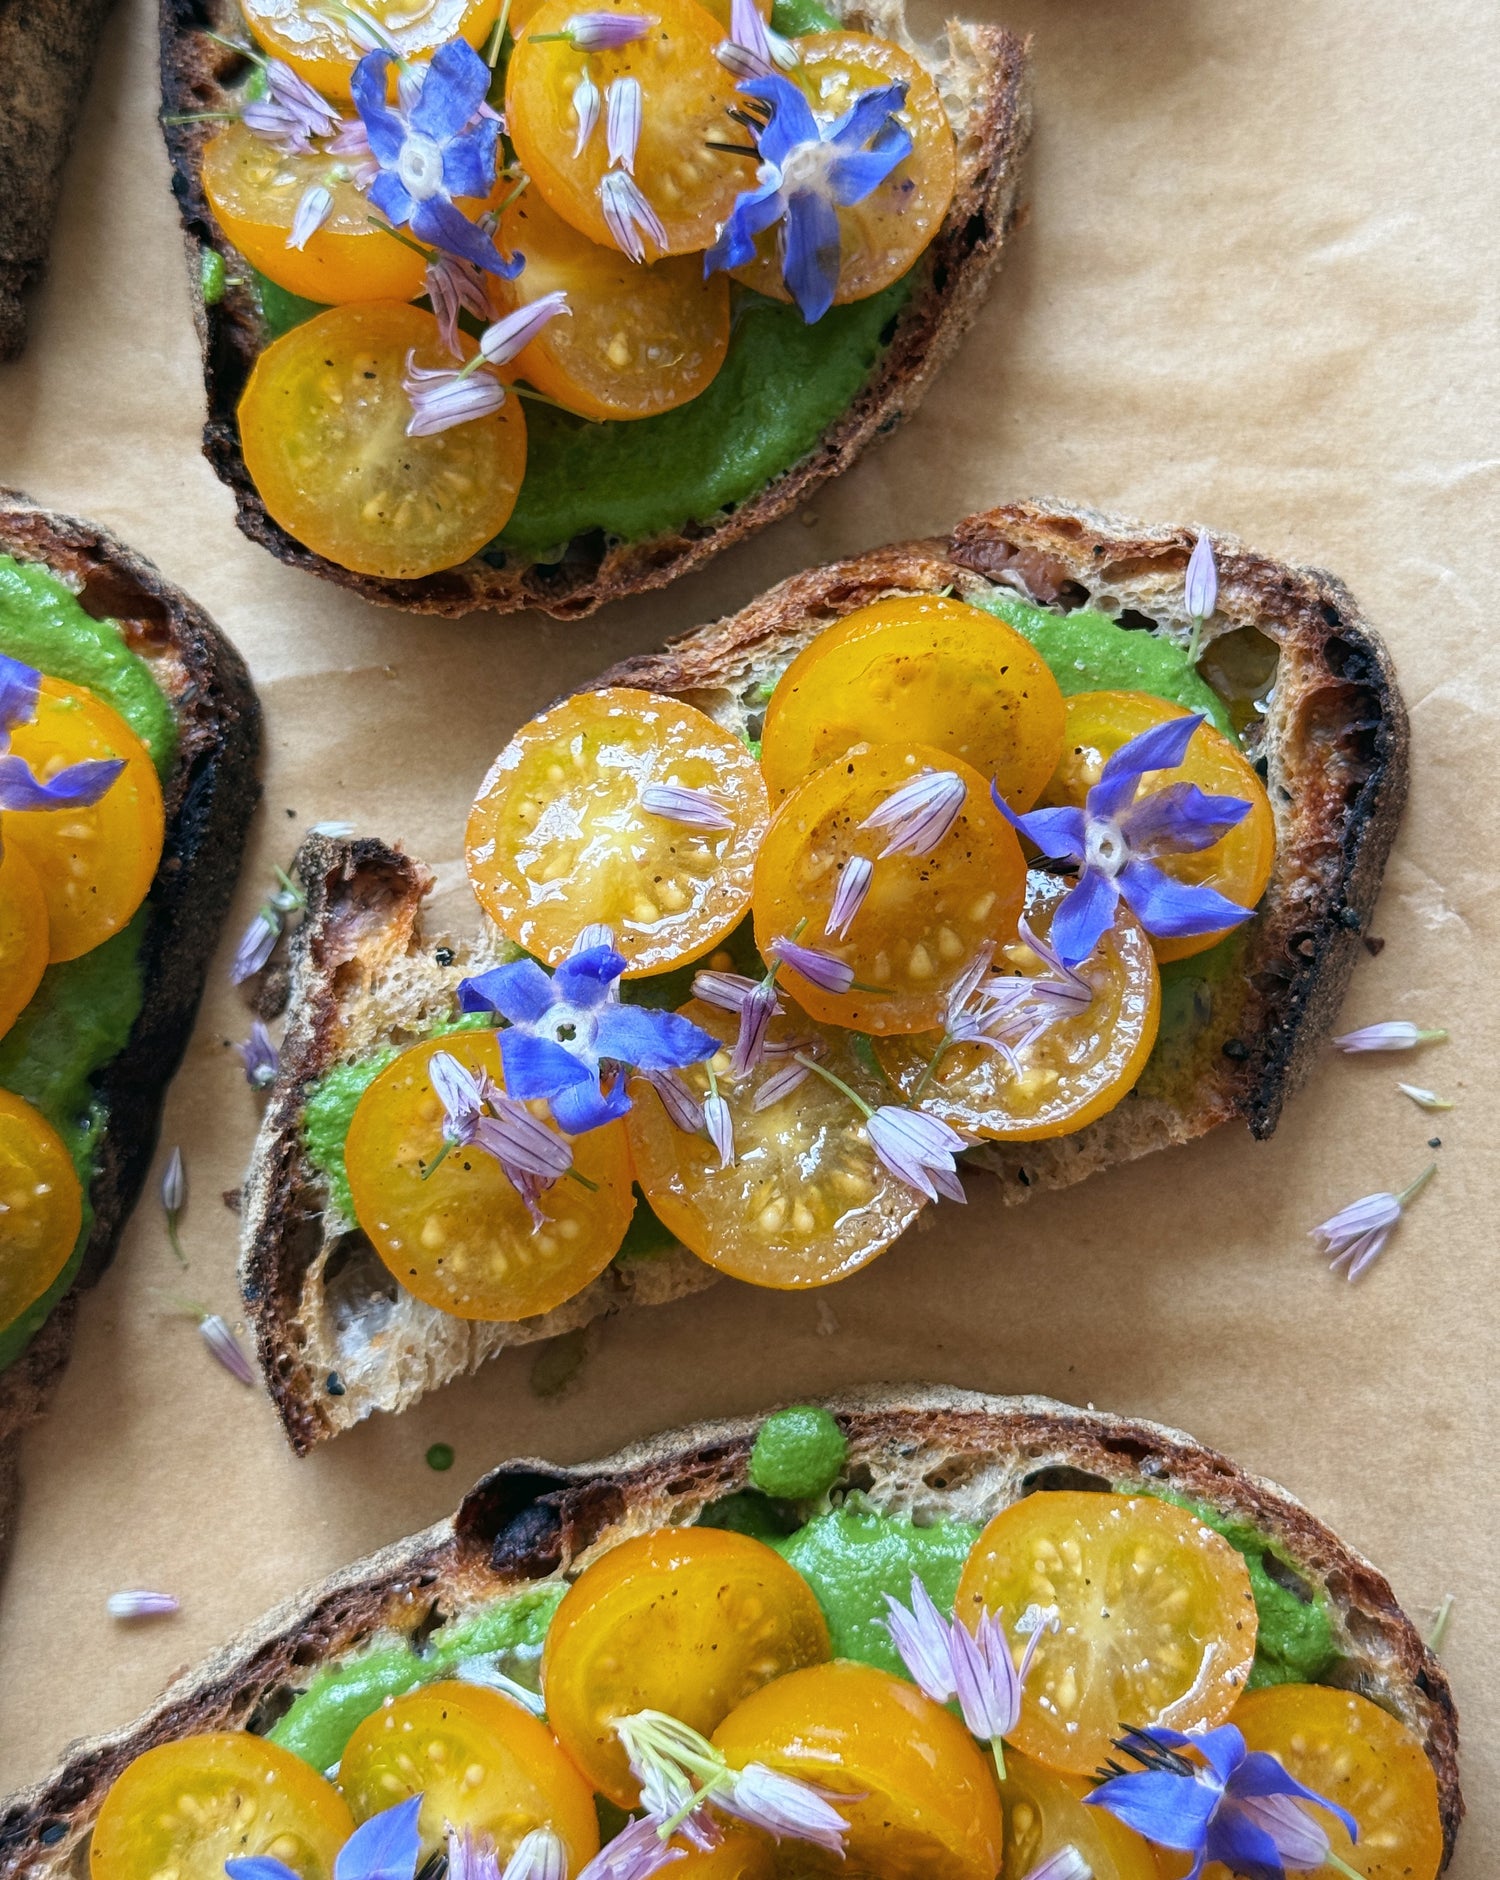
[{"x": 1258, "y": 290}]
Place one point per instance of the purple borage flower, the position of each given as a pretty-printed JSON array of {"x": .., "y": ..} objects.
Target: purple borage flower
[
  {"x": 566, "y": 1027},
  {"x": 808, "y": 172},
  {"x": 1117, "y": 840},
  {"x": 1238, "y": 1806},
  {"x": 441, "y": 145},
  {"x": 1355, "y": 1237},
  {"x": 76, "y": 786}
]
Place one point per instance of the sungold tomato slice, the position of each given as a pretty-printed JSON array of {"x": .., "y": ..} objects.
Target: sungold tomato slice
[
  {"x": 95, "y": 865},
  {"x": 920, "y": 1797},
  {"x": 522, "y": 12},
  {"x": 184, "y": 1808},
  {"x": 323, "y": 426},
  {"x": 1045, "y": 1813},
  {"x": 924, "y": 917},
  {"x": 686, "y": 1620},
  {"x": 41, "y": 1206},
  {"x": 806, "y": 1200},
  {"x": 479, "y": 1761},
  {"x": 881, "y": 237},
  {"x": 23, "y": 933},
  {"x": 920, "y": 668},
  {"x": 1156, "y": 1618},
  {"x": 1239, "y": 864},
  {"x": 1358, "y": 1755},
  {"x": 558, "y": 836},
  {"x": 1075, "y": 1069},
  {"x": 460, "y": 1238},
  {"x": 323, "y": 43},
  {"x": 634, "y": 341},
  {"x": 685, "y": 94}
]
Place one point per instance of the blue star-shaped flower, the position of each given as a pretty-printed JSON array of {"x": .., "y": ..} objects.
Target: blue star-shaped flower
[
  {"x": 386, "y": 1847},
  {"x": 808, "y": 172},
  {"x": 74, "y": 787},
  {"x": 1116, "y": 841},
  {"x": 443, "y": 146},
  {"x": 1239, "y": 1807},
  {"x": 565, "y": 1026}
]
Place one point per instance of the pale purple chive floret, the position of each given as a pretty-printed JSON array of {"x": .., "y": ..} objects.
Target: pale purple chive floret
[
  {"x": 225, "y": 1347},
  {"x": 259, "y": 1056},
  {"x": 509, "y": 337},
  {"x": 1066, "y": 1864},
  {"x": 679, "y": 803},
  {"x": 1201, "y": 587},
  {"x": 454, "y": 285},
  {"x": 601, "y": 31},
  {"x": 478, "y": 1114},
  {"x": 782, "y": 1806},
  {"x": 718, "y": 1125},
  {"x": 442, "y": 397},
  {"x": 1117, "y": 842},
  {"x": 822, "y": 969},
  {"x": 622, "y": 122},
  {"x": 290, "y": 114},
  {"x": 728, "y": 991},
  {"x": 628, "y": 215},
  {"x": 637, "y": 1852},
  {"x": 782, "y": 1084},
  {"x": 808, "y": 171},
  {"x": 77, "y": 786},
  {"x": 539, "y": 1855},
  {"x": 1006, "y": 1012},
  {"x": 916, "y": 817},
  {"x": 256, "y": 946},
  {"x": 140, "y": 1604},
  {"x": 678, "y": 1101},
  {"x": 351, "y": 142},
  {"x": 848, "y": 896},
  {"x": 1397, "y": 1034},
  {"x": 429, "y": 151},
  {"x": 918, "y": 1149},
  {"x": 752, "y": 50},
  {"x": 565, "y": 1027},
  {"x": 586, "y": 104},
  {"x": 1356, "y": 1236},
  {"x": 948, "y": 1661},
  {"x": 596, "y": 933},
  {"x": 760, "y": 1006},
  {"x": 1238, "y": 1807},
  {"x": 313, "y": 210},
  {"x": 174, "y": 1184}
]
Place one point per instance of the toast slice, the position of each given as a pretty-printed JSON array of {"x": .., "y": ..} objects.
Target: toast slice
[
  {"x": 338, "y": 1338},
  {"x": 46, "y": 56},
  {"x": 982, "y": 75},
  {"x": 918, "y": 1451},
  {"x": 210, "y": 795}
]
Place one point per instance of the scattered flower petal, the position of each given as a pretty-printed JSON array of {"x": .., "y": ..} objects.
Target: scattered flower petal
[
  {"x": 678, "y": 1101},
  {"x": 628, "y": 215},
  {"x": 1356, "y": 1236},
  {"x": 728, "y": 991},
  {"x": 785, "y": 1081},
  {"x": 848, "y": 896},
  {"x": 312, "y": 211},
  {"x": 335, "y": 831},
  {"x": 1397, "y": 1034},
  {"x": 259, "y": 1056},
  {"x": 1066, "y": 1864},
  {"x": 1423, "y": 1098},
  {"x": 455, "y": 286},
  {"x": 822, "y": 969},
  {"x": 760, "y": 1006},
  {"x": 290, "y": 114},
  {"x": 783, "y": 1807},
  {"x": 718, "y": 1124},
  {"x": 256, "y": 947},
  {"x": 918, "y": 815},
  {"x": 503, "y": 341},
  {"x": 174, "y": 1184},
  {"x": 1201, "y": 586},
  {"x": 386, "y": 1847},
  {"x": 443, "y": 396},
  {"x": 747, "y": 50},
  {"x": 224, "y": 1346},
  {"x": 141, "y": 1605},
  {"x": 586, "y": 106},
  {"x": 622, "y": 122},
  {"x": 918, "y": 1149},
  {"x": 635, "y": 1854},
  {"x": 539, "y": 1855},
  {"x": 696, "y": 809},
  {"x": 601, "y": 31}
]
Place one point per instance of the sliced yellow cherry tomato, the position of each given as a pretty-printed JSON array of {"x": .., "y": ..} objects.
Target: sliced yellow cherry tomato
[
  {"x": 323, "y": 42},
  {"x": 634, "y": 341},
  {"x": 1045, "y": 1813},
  {"x": 924, "y": 916},
  {"x": 685, "y": 95},
  {"x": 741, "y": 1855},
  {"x": 685, "y": 1620},
  {"x": 23, "y": 933},
  {"x": 41, "y": 1206},
  {"x": 323, "y": 426},
  {"x": 881, "y": 237},
  {"x": 1075, "y": 1062},
  {"x": 806, "y": 1200},
  {"x": 479, "y": 1761},
  {"x": 458, "y": 1235},
  {"x": 559, "y": 836},
  {"x": 522, "y": 12},
  {"x": 921, "y": 1799},
  {"x": 254, "y": 190},
  {"x": 1360, "y": 1756},
  {"x": 923, "y": 668},
  {"x": 184, "y": 1808},
  {"x": 1156, "y": 1618},
  {"x": 95, "y": 865},
  {"x": 1239, "y": 864}
]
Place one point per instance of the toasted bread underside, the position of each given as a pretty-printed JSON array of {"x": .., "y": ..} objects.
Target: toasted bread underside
[
  {"x": 914, "y": 1450},
  {"x": 209, "y": 798},
  {"x": 981, "y": 72},
  {"x": 366, "y": 971},
  {"x": 46, "y": 56}
]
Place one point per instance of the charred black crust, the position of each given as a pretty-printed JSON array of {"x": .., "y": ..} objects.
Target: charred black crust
[
  {"x": 529, "y": 1520},
  {"x": 196, "y": 75},
  {"x": 210, "y": 797}
]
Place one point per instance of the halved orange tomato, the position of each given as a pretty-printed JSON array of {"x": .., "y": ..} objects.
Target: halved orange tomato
[{"x": 23, "y": 933}]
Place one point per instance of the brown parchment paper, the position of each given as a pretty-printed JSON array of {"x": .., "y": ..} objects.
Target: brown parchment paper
[{"x": 1257, "y": 291}]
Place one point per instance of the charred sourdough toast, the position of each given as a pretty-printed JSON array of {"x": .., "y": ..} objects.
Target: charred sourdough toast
[
  {"x": 928, "y": 1454},
  {"x": 338, "y": 1338},
  {"x": 983, "y": 80},
  {"x": 210, "y": 795}
]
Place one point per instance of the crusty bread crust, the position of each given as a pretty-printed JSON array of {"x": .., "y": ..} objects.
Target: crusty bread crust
[
  {"x": 365, "y": 971},
  {"x": 209, "y": 799},
  {"x": 913, "y": 1449},
  {"x": 984, "y": 79}
]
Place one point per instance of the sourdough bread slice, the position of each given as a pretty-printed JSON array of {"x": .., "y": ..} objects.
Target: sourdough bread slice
[
  {"x": 209, "y": 798},
  {"x": 339, "y": 1338},
  {"x": 981, "y": 72},
  {"x": 914, "y": 1450}
]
